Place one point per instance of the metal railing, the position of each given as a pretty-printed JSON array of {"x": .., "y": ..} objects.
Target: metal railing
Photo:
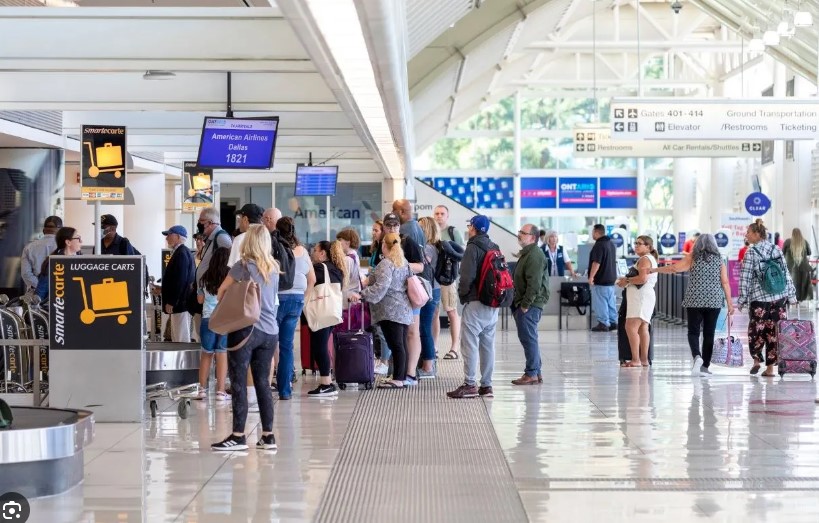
[{"x": 670, "y": 290}]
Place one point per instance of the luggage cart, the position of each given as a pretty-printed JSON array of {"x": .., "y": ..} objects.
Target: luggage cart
[
  {"x": 16, "y": 368},
  {"x": 181, "y": 395},
  {"x": 105, "y": 159},
  {"x": 109, "y": 298}
]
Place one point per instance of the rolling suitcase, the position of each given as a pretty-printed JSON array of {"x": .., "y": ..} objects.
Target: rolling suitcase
[
  {"x": 307, "y": 361},
  {"x": 797, "y": 347},
  {"x": 623, "y": 346},
  {"x": 354, "y": 359}
]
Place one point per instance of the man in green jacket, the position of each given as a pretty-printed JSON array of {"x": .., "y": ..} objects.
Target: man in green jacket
[{"x": 531, "y": 294}]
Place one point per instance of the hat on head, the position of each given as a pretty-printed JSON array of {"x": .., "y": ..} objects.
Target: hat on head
[
  {"x": 391, "y": 219},
  {"x": 53, "y": 222},
  {"x": 480, "y": 223},
  {"x": 252, "y": 211},
  {"x": 108, "y": 219},
  {"x": 177, "y": 229}
]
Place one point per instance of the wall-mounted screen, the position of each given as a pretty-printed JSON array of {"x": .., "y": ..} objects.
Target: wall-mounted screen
[
  {"x": 316, "y": 180},
  {"x": 238, "y": 143}
]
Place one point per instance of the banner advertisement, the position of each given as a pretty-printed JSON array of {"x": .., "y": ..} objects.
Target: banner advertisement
[
  {"x": 578, "y": 193},
  {"x": 96, "y": 302},
  {"x": 102, "y": 164},
  {"x": 538, "y": 193},
  {"x": 197, "y": 188},
  {"x": 737, "y": 224},
  {"x": 618, "y": 193},
  {"x": 734, "y": 270}
]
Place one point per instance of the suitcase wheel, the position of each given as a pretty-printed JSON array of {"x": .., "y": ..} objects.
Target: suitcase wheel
[
  {"x": 342, "y": 386},
  {"x": 368, "y": 385},
  {"x": 153, "y": 408},
  {"x": 182, "y": 408}
]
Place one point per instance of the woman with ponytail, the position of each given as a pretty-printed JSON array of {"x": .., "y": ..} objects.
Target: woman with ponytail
[
  {"x": 797, "y": 252},
  {"x": 640, "y": 300}
]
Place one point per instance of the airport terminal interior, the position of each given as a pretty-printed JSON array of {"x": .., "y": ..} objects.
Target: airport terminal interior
[{"x": 634, "y": 163}]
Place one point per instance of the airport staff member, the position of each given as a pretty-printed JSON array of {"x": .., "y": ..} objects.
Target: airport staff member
[{"x": 36, "y": 252}]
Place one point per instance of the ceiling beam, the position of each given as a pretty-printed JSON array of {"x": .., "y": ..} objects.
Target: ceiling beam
[{"x": 573, "y": 46}]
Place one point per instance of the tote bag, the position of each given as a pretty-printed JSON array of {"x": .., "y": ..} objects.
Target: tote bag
[
  {"x": 728, "y": 350},
  {"x": 418, "y": 291},
  {"x": 324, "y": 306}
]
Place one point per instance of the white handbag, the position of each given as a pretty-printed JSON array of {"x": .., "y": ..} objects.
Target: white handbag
[{"x": 323, "y": 307}]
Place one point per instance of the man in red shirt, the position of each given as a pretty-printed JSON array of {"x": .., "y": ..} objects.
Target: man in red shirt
[{"x": 688, "y": 246}]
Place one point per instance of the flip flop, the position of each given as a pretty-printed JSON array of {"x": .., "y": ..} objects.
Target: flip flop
[
  {"x": 451, "y": 355},
  {"x": 768, "y": 375},
  {"x": 388, "y": 385}
]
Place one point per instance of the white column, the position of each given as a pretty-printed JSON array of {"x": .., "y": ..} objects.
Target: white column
[
  {"x": 517, "y": 166},
  {"x": 692, "y": 177},
  {"x": 641, "y": 193},
  {"x": 721, "y": 191},
  {"x": 145, "y": 220}
]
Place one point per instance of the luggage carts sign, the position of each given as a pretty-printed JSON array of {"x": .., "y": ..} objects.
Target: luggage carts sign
[
  {"x": 96, "y": 302},
  {"x": 197, "y": 188},
  {"x": 103, "y": 163}
]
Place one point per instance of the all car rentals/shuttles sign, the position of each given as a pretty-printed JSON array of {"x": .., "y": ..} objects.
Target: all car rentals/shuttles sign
[{"x": 596, "y": 142}]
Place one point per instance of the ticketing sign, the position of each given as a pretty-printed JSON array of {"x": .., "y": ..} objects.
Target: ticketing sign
[
  {"x": 714, "y": 119},
  {"x": 596, "y": 142}
]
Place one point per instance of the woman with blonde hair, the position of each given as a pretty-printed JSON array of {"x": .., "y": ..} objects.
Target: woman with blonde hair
[
  {"x": 350, "y": 241},
  {"x": 386, "y": 292},
  {"x": 428, "y": 338},
  {"x": 797, "y": 252},
  {"x": 329, "y": 256},
  {"x": 640, "y": 300},
  {"x": 257, "y": 264}
]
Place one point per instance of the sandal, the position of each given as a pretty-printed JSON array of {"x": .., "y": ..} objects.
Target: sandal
[
  {"x": 389, "y": 385},
  {"x": 631, "y": 365},
  {"x": 755, "y": 368},
  {"x": 451, "y": 355},
  {"x": 767, "y": 374}
]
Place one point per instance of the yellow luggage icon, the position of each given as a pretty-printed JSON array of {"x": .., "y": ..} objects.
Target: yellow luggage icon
[
  {"x": 105, "y": 159},
  {"x": 200, "y": 182},
  {"x": 108, "y": 298}
]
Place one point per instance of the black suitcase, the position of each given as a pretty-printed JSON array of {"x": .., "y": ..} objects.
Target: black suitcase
[
  {"x": 354, "y": 357},
  {"x": 623, "y": 346}
]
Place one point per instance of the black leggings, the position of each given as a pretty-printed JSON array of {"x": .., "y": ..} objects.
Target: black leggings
[
  {"x": 396, "y": 336},
  {"x": 319, "y": 350},
  {"x": 707, "y": 319},
  {"x": 257, "y": 354}
]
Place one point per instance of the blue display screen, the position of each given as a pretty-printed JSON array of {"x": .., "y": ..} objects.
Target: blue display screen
[
  {"x": 578, "y": 193},
  {"x": 538, "y": 193},
  {"x": 237, "y": 143},
  {"x": 618, "y": 193},
  {"x": 316, "y": 180}
]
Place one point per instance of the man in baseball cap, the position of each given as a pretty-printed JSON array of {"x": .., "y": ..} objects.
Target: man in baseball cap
[
  {"x": 480, "y": 223},
  {"x": 248, "y": 214},
  {"x": 176, "y": 282},
  {"x": 113, "y": 243}
]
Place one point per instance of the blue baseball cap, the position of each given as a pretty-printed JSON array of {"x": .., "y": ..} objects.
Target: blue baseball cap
[
  {"x": 480, "y": 223},
  {"x": 177, "y": 229}
]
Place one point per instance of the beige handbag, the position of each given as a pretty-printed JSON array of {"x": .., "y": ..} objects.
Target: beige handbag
[
  {"x": 324, "y": 306},
  {"x": 239, "y": 308}
]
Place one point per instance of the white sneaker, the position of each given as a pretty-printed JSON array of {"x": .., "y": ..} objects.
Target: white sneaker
[
  {"x": 222, "y": 396},
  {"x": 381, "y": 369},
  {"x": 695, "y": 369}
]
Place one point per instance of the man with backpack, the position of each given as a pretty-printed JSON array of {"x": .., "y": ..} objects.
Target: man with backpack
[
  {"x": 450, "y": 237},
  {"x": 485, "y": 285}
]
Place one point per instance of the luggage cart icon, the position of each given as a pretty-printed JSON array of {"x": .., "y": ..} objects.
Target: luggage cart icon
[
  {"x": 108, "y": 298},
  {"x": 198, "y": 184},
  {"x": 105, "y": 159}
]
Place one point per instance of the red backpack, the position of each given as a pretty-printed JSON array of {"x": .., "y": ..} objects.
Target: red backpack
[{"x": 495, "y": 286}]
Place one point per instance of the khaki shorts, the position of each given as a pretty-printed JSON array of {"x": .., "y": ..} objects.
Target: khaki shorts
[{"x": 449, "y": 297}]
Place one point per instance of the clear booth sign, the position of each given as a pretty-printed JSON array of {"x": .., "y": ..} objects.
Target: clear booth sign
[
  {"x": 722, "y": 240},
  {"x": 617, "y": 239},
  {"x": 757, "y": 204},
  {"x": 668, "y": 240}
]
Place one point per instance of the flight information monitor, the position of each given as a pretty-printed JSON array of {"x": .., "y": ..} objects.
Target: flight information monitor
[
  {"x": 316, "y": 180},
  {"x": 238, "y": 143}
]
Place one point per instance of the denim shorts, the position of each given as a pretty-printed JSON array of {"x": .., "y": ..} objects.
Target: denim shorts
[
  {"x": 416, "y": 312},
  {"x": 211, "y": 342}
]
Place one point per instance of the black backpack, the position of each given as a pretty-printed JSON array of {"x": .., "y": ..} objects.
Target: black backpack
[
  {"x": 287, "y": 261},
  {"x": 448, "y": 266}
]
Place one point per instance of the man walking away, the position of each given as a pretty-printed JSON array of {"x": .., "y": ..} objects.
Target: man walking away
[
  {"x": 36, "y": 252},
  {"x": 176, "y": 282},
  {"x": 479, "y": 320},
  {"x": 449, "y": 293},
  {"x": 602, "y": 276},
  {"x": 531, "y": 294}
]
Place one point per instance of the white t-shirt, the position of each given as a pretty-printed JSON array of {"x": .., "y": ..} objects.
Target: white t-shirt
[{"x": 236, "y": 250}]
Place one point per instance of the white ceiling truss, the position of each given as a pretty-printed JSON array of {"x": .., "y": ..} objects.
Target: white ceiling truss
[{"x": 587, "y": 48}]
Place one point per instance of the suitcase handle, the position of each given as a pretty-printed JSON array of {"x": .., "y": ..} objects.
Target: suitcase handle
[
  {"x": 108, "y": 145},
  {"x": 107, "y": 280},
  {"x": 350, "y": 316}
]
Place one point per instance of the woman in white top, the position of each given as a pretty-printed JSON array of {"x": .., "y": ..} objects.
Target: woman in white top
[{"x": 641, "y": 300}]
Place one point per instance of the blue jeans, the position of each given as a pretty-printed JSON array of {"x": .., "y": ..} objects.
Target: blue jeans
[
  {"x": 427, "y": 317},
  {"x": 604, "y": 303},
  {"x": 287, "y": 316},
  {"x": 211, "y": 342},
  {"x": 527, "y": 334}
]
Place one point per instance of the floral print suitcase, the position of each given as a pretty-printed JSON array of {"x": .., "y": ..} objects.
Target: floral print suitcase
[{"x": 797, "y": 347}]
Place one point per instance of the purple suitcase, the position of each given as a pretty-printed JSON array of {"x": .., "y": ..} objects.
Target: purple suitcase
[
  {"x": 797, "y": 347},
  {"x": 354, "y": 357}
]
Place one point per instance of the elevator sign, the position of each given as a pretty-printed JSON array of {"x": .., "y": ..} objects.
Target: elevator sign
[
  {"x": 714, "y": 119},
  {"x": 596, "y": 142}
]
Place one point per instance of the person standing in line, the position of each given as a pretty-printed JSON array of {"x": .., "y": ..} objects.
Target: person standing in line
[
  {"x": 177, "y": 279},
  {"x": 764, "y": 308},
  {"x": 707, "y": 292},
  {"x": 479, "y": 320},
  {"x": 258, "y": 265},
  {"x": 214, "y": 346},
  {"x": 112, "y": 242},
  {"x": 271, "y": 217},
  {"x": 531, "y": 294},
  {"x": 428, "y": 317},
  {"x": 640, "y": 301},
  {"x": 382, "y": 365},
  {"x": 449, "y": 293},
  {"x": 350, "y": 241},
  {"x": 248, "y": 215},
  {"x": 37, "y": 251},
  {"x": 208, "y": 225},
  {"x": 68, "y": 243},
  {"x": 291, "y": 304},
  {"x": 557, "y": 261},
  {"x": 602, "y": 276},
  {"x": 409, "y": 225},
  {"x": 797, "y": 252}
]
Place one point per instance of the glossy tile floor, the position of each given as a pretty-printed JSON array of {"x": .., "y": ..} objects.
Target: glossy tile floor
[{"x": 593, "y": 443}]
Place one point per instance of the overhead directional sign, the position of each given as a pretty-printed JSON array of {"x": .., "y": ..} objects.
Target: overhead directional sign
[
  {"x": 596, "y": 142},
  {"x": 714, "y": 119}
]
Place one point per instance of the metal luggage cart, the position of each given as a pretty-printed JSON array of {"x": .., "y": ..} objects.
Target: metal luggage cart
[{"x": 181, "y": 395}]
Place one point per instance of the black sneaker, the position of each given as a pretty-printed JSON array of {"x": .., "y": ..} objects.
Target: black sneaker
[
  {"x": 600, "y": 328},
  {"x": 324, "y": 391},
  {"x": 486, "y": 392},
  {"x": 231, "y": 443},
  {"x": 267, "y": 443}
]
